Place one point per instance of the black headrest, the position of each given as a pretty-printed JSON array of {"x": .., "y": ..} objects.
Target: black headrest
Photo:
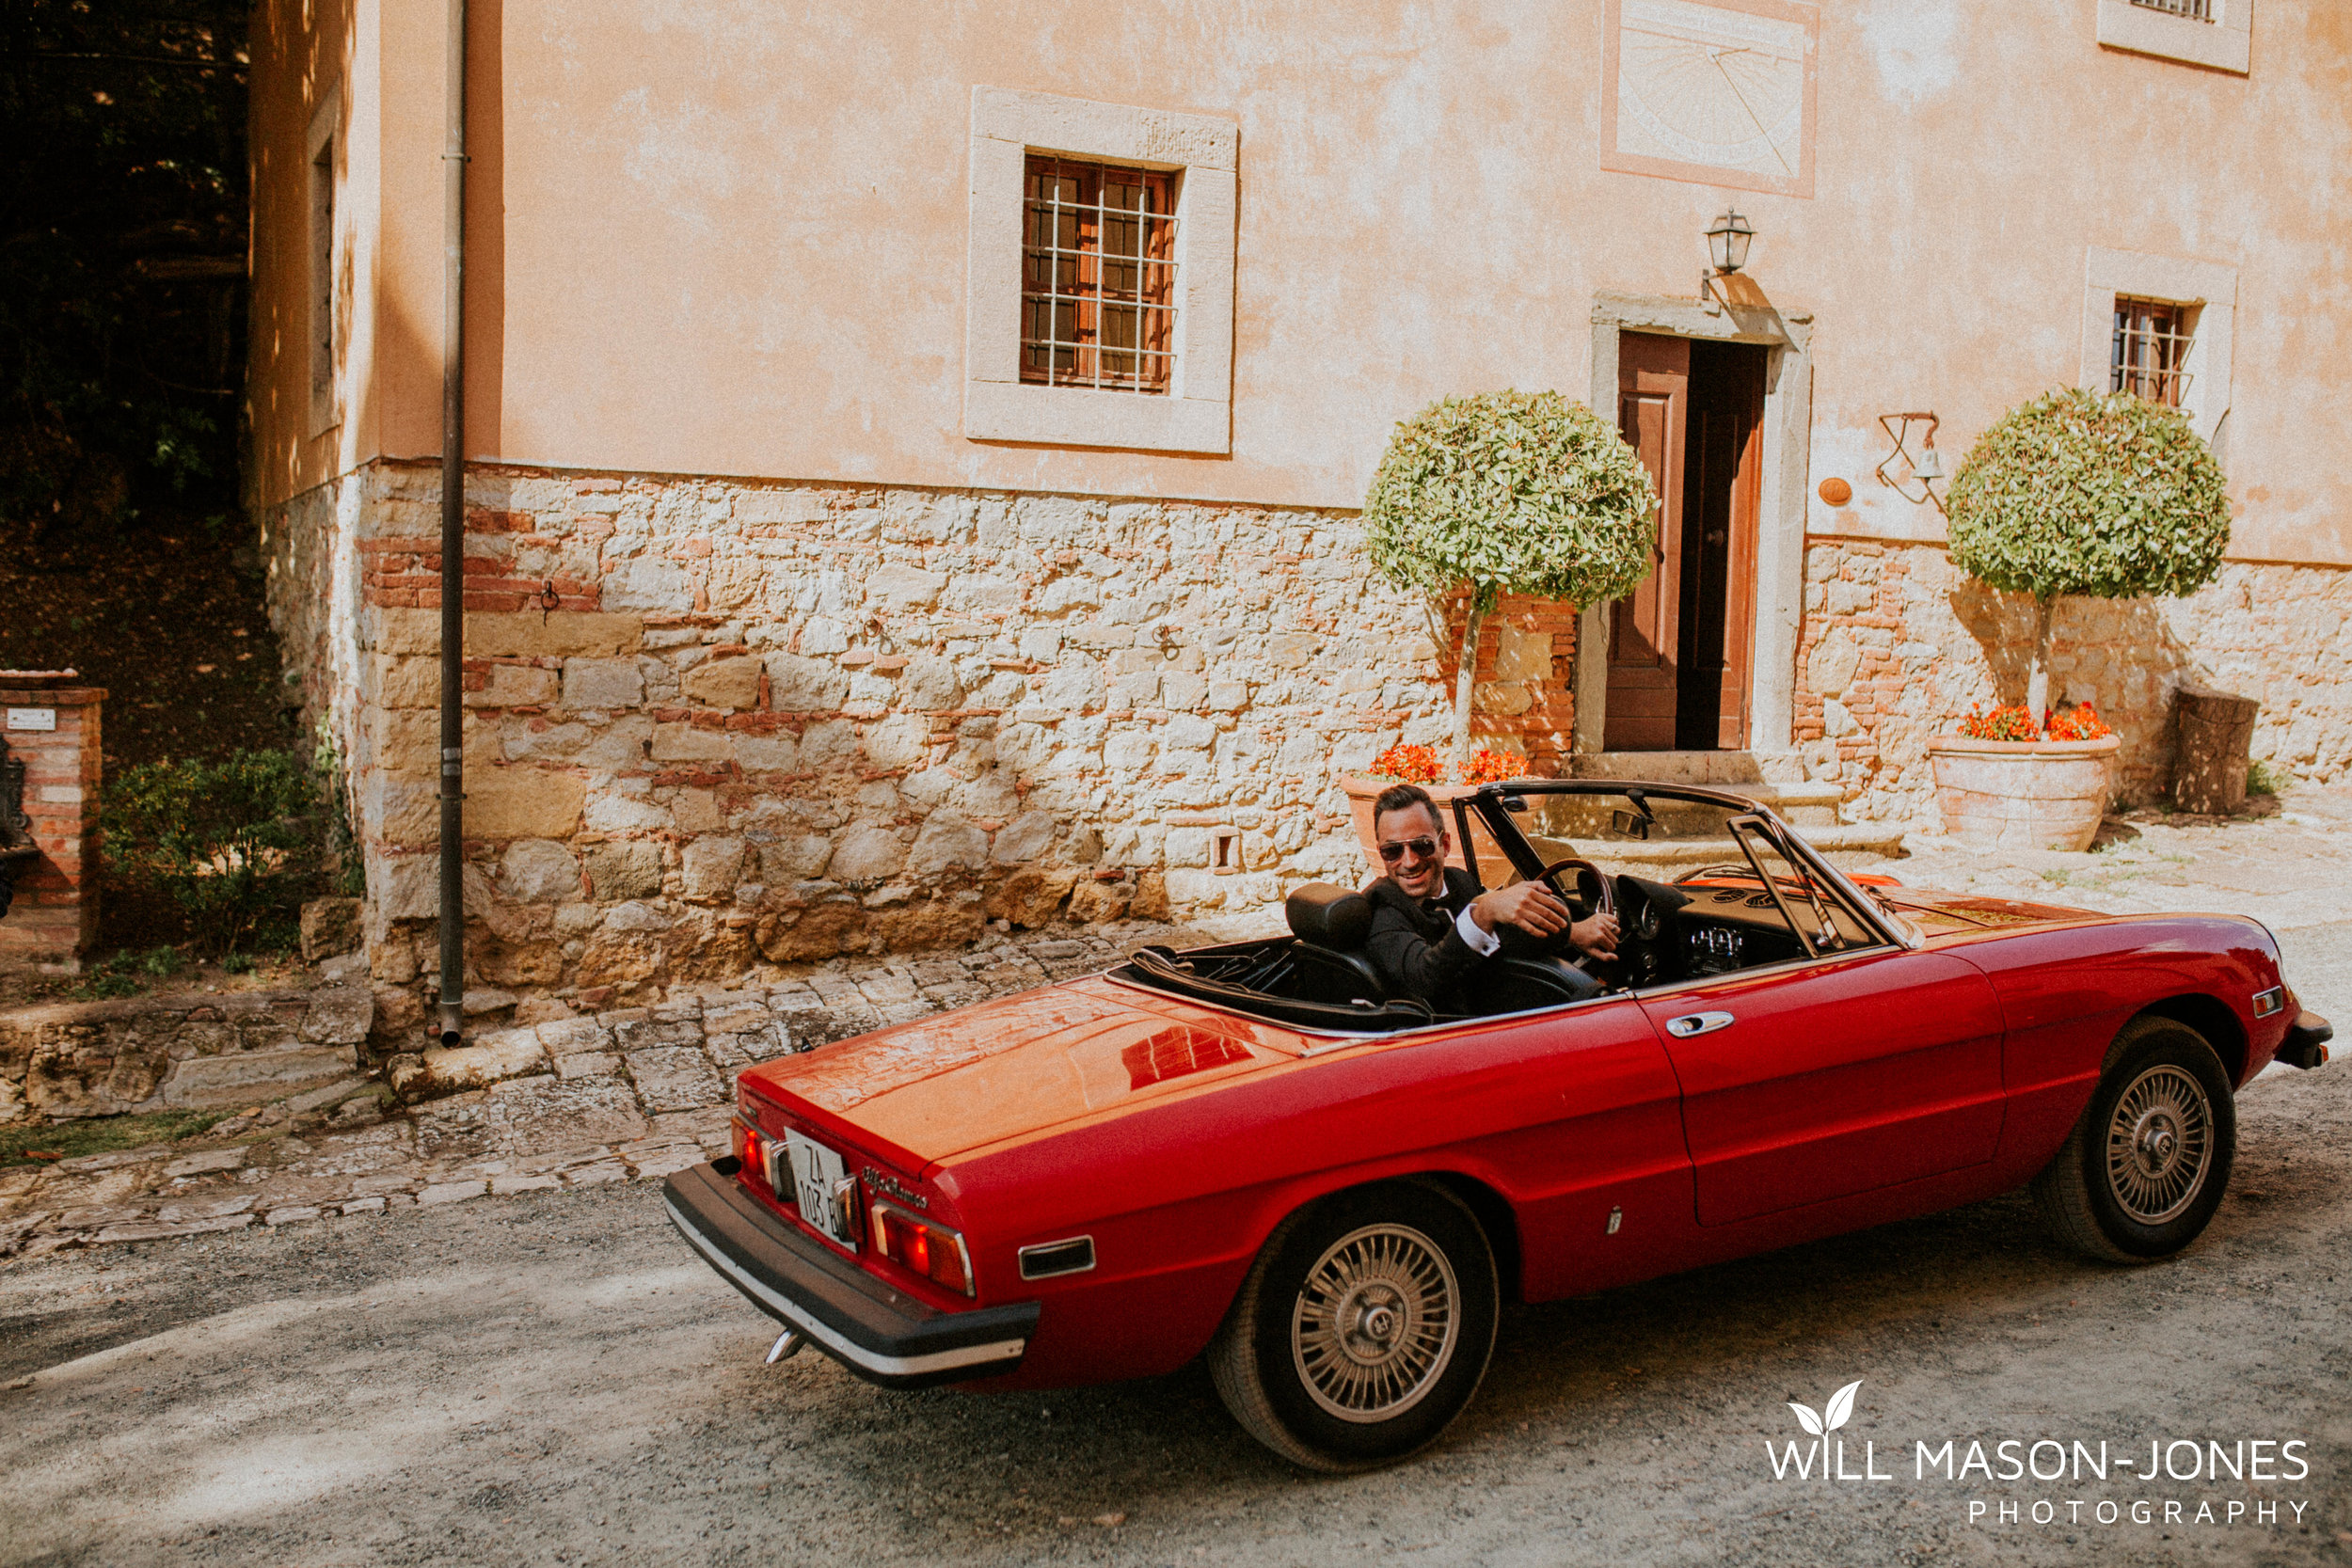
[{"x": 1328, "y": 916}]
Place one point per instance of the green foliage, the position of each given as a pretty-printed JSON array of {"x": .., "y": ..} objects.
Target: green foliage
[
  {"x": 122, "y": 174},
  {"x": 2076, "y": 493},
  {"x": 2263, "y": 778},
  {"x": 126, "y": 972},
  {"x": 69, "y": 1140},
  {"x": 234, "y": 844},
  {"x": 1511, "y": 493},
  {"x": 347, "y": 868}
]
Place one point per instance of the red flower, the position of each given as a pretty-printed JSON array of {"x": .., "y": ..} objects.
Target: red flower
[
  {"x": 2081, "y": 722},
  {"x": 1410, "y": 765},
  {"x": 1422, "y": 765}
]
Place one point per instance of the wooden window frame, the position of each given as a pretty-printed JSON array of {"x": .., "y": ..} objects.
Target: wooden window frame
[
  {"x": 2205, "y": 293},
  {"x": 2152, "y": 341},
  {"x": 1077, "y": 237}
]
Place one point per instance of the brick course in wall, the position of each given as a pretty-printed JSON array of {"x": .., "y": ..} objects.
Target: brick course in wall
[
  {"x": 55, "y": 916},
  {"x": 1898, "y": 644},
  {"x": 713, "y": 726}
]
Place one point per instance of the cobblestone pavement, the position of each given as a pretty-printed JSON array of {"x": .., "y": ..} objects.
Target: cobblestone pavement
[
  {"x": 578, "y": 1102},
  {"x": 640, "y": 1093}
]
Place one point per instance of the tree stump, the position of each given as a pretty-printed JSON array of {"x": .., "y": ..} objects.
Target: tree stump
[{"x": 2216, "y": 731}]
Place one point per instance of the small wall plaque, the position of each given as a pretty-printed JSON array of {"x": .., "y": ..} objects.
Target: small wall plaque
[{"x": 32, "y": 718}]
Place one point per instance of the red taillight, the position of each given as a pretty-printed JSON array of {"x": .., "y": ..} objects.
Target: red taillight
[
  {"x": 932, "y": 1251},
  {"x": 751, "y": 1148}
]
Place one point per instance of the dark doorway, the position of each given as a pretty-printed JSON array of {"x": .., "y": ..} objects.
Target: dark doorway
[{"x": 1680, "y": 644}]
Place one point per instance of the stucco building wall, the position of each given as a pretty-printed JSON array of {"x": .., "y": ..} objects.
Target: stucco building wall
[
  {"x": 718, "y": 329},
  {"x": 699, "y": 243}
]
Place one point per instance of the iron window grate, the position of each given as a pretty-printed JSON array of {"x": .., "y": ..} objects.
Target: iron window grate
[
  {"x": 1098, "y": 277},
  {"x": 2196, "y": 11},
  {"x": 2151, "y": 351}
]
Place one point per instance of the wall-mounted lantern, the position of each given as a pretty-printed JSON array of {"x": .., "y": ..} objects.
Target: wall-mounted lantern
[{"x": 1727, "y": 240}]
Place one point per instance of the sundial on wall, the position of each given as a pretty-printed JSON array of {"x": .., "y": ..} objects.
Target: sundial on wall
[{"x": 1718, "y": 91}]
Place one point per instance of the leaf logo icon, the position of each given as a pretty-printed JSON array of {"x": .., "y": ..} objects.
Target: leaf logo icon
[{"x": 1835, "y": 1414}]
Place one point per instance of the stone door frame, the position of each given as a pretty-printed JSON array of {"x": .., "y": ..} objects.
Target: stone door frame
[{"x": 1781, "y": 510}]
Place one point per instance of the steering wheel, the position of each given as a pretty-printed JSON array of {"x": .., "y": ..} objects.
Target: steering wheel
[
  {"x": 1610, "y": 973},
  {"x": 1604, "y": 900}
]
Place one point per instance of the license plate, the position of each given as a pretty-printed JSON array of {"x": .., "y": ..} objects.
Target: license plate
[{"x": 820, "y": 1184}]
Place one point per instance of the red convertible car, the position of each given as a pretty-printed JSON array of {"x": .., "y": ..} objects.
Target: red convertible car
[{"x": 1255, "y": 1153}]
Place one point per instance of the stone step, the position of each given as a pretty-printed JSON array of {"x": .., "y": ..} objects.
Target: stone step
[
  {"x": 1725, "y": 768},
  {"x": 1843, "y": 846},
  {"x": 1774, "y": 779}
]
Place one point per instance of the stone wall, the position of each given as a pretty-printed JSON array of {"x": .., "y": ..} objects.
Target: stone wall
[
  {"x": 1898, "y": 644},
  {"x": 179, "y": 1052},
  {"x": 715, "y": 725}
]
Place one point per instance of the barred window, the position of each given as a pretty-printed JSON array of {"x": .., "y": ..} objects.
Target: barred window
[
  {"x": 2196, "y": 11},
  {"x": 1098, "y": 290},
  {"x": 2151, "y": 353}
]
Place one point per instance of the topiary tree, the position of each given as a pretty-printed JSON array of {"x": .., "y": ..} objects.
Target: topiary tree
[
  {"x": 2078, "y": 493},
  {"x": 1508, "y": 493}
]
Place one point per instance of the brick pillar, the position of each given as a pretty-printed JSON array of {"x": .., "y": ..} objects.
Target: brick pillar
[{"x": 53, "y": 730}]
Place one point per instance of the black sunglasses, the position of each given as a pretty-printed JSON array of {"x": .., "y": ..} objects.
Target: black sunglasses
[{"x": 1422, "y": 848}]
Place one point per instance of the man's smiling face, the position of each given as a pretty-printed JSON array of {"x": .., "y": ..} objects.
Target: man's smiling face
[{"x": 1418, "y": 841}]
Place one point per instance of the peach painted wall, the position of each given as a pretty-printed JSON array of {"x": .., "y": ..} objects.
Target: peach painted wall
[{"x": 728, "y": 237}]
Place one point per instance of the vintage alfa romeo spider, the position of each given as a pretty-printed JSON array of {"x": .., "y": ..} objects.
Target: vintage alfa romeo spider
[{"x": 1253, "y": 1150}]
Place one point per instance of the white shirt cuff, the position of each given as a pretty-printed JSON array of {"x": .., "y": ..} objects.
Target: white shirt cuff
[{"x": 1482, "y": 941}]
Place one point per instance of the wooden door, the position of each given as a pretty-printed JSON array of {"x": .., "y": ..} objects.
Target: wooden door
[
  {"x": 1644, "y": 636},
  {"x": 1747, "y": 496},
  {"x": 1722, "y": 491}
]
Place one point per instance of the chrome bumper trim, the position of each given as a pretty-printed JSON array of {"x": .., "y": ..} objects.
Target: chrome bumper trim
[{"x": 836, "y": 1344}]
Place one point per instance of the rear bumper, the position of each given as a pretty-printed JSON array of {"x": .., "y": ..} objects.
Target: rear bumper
[
  {"x": 2305, "y": 1045},
  {"x": 880, "y": 1334}
]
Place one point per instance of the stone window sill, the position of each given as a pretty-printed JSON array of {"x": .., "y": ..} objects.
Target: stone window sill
[
  {"x": 2225, "y": 44},
  {"x": 1195, "y": 414}
]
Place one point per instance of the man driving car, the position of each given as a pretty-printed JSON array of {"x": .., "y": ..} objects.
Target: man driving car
[{"x": 1428, "y": 931}]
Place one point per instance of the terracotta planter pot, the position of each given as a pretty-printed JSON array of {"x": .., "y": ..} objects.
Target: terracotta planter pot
[
  {"x": 2024, "y": 794},
  {"x": 1362, "y": 789}
]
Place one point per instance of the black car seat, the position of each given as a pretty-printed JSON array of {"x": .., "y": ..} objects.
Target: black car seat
[{"x": 1331, "y": 924}]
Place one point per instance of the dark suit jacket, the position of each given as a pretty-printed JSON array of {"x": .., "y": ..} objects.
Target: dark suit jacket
[{"x": 1417, "y": 950}]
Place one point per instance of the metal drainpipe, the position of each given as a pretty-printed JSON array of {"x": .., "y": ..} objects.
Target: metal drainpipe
[{"x": 453, "y": 541}]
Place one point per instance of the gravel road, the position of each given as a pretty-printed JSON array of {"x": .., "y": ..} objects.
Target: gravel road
[{"x": 552, "y": 1379}]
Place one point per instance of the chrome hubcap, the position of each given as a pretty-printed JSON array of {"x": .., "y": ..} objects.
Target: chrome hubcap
[
  {"x": 2159, "y": 1144},
  {"x": 1374, "y": 1325}
]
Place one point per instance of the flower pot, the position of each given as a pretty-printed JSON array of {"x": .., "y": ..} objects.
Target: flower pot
[
  {"x": 2024, "y": 794},
  {"x": 1364, "y": 788}
]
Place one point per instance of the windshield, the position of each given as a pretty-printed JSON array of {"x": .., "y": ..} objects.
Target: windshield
[{"x": 1663, "y": 837}]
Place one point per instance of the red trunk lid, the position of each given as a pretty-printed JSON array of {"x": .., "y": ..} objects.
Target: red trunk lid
[{"x": 919, "y": 1093}]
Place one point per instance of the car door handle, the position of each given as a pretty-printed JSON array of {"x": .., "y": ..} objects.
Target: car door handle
[{"x": 1697, "y": 1024}]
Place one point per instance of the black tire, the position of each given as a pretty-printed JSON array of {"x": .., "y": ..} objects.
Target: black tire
[
  {"x": 2143, "y": 1170},
  {"x": 1320, "y": 1376}
]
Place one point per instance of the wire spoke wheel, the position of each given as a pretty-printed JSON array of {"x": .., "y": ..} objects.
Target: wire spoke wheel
[
  {"x": 2160, "y": 1144},
  {"x": 1374, "y": 1324}
]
